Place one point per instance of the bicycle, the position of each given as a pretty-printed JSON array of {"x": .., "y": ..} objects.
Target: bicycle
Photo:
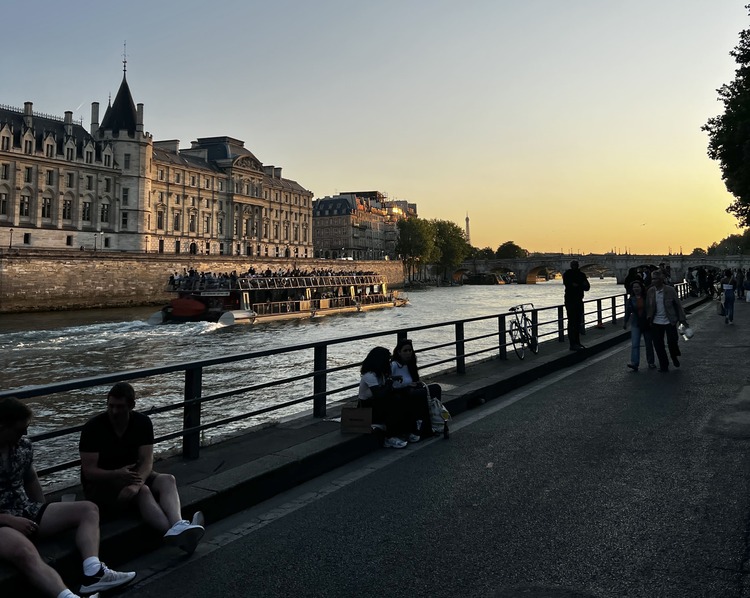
[{"x": 522, "y": 331}]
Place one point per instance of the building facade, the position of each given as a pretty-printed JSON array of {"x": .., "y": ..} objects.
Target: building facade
[
  {"x": 360, "y": 225},
  {"x": 115, "y": 188}
]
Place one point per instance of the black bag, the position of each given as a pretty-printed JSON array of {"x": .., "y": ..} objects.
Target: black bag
[{"x": 720, "y": 309}]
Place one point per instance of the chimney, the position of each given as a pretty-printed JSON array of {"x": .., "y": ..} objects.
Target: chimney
[
  {"x": 268, "y": 171},
  {"x": 139, "y": 118},
  {"x": 277, "y": 172},
  {"x": 68, "y": 122},
  {"x": 28, "y": 113},
  {"x": 94, "y": 117}
]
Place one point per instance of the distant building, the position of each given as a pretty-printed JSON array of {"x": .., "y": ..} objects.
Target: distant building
[
  {"x": 358, "y": 225},
  {"x": 113, "y": 187}
]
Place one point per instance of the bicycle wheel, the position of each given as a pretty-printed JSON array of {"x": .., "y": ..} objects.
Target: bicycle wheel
[
  {"x": 531, "y": 341},
  {"x": 516, "y": 337}
]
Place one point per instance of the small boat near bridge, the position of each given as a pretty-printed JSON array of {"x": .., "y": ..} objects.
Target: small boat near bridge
[{"x": 251, "y": 299}]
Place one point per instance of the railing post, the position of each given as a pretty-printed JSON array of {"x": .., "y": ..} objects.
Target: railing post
[
  {"x": 614, "y": 310},
  {"x": 460, "y": 350},
  {"x": 191, "y": 417},
  {"x": 535, "y": 326},
  {"x": 501, "y": 337},
  {"x": 561, "y": 323},
  {"x": 402, "y": 335},
  {"x": 320, "y": 380},
  {"x": 599, "y": 314}
]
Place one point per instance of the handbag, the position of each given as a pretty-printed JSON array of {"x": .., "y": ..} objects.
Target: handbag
[
  {"x": 720, "y": 309},
  {"x": 439, "y": 415}
]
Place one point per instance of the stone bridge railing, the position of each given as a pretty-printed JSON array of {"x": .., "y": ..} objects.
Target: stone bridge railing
[{"x": 527, "y": 269}]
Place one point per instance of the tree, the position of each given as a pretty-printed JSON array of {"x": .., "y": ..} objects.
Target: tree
[
  {"x": 510, "y": 250},
  {"x": 451, "y": 245},
  {"x": 486, "y": 253},
  {"x": 699, "y": 251},
  {"x": 729, "y": 133},
  {"x": 416, "y": 242}
]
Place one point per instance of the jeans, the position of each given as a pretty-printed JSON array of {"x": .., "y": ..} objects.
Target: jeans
[
  {"x": 635, "y": 345},
  {"x": 575, "y": 315},
  {"x": 729, "y": 306}
]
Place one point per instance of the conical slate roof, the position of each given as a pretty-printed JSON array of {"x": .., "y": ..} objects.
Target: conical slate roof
[{"x": 121, "y": 116}]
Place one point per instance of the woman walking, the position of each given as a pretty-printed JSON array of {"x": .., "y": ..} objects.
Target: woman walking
[
  {"x": 728, "y": 285},
  {"x": 635, "y": 315}
]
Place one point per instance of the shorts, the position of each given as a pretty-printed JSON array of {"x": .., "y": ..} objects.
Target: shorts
[{"x": 104, "y": 494}]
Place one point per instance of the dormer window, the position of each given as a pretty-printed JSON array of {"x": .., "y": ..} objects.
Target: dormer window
[
  {"x": 5, "y": 143},
  {"x": 28, "y": 146},
  {"x": 50, "y": 150},
  {"x": 107, "y": 160},
  {"x": 69, "y": 153}
]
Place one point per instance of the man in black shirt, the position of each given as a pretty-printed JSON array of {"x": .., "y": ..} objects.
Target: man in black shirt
[
  {"x": 576, "y": 284},
  {"x": 117, "y": 456}
]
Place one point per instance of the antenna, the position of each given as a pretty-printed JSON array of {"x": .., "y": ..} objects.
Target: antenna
[{"x": 124, "y": 56}]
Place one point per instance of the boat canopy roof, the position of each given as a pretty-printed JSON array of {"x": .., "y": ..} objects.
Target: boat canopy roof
[{"x": 307, "y": 282}]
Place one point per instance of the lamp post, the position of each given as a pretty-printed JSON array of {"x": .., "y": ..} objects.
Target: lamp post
[
  {"x": 95, "y": 237},
  {"x": 10, "y": 243}
]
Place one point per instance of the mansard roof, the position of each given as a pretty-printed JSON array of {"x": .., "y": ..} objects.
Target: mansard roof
[
  {"x": 42, "y": 125},
  {"x": 225, "y": 148},
  {"x": 121, "y": 115},
  {"x": 338, "y": 204},
  {"x": 184, "y": 160}
]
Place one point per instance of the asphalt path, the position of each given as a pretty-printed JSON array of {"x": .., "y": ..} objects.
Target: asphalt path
[{"x": 593, "y": 482}]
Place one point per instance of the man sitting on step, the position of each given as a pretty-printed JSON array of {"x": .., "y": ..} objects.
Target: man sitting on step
[{"x": 117, "y": 456}]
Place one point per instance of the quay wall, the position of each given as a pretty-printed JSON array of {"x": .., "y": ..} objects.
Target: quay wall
[{"x": 50, "y": 281}]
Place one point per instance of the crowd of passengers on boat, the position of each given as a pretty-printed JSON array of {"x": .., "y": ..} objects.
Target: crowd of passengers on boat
[{"x": 192, "y": 279}]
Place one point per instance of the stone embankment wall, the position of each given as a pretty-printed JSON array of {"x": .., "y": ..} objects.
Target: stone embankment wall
[{"x": 47, "y": 281}]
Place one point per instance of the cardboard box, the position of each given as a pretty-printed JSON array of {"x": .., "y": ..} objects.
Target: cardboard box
[{"x": 356, "y": 420}]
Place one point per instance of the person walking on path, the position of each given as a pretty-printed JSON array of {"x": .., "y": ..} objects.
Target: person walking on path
[
  {"x": 664, "y": 311},
  {"x": 576, "y": 284},
  {"x": 729, "y": 286},
  {"x": 25, "y": 515},
  {"x": 635, "y": 315},
  {"x": 117, "y": 457}
]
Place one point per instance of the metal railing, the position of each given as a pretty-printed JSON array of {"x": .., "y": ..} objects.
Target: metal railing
[{"x": 452, "y": 346}]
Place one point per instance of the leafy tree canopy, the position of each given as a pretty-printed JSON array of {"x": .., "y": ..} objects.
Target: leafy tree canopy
[
  {"x": 416, "y": 243},
  {"x": 510, "y": 250},
  {"x": 698, "y": 251},
  {"x": 450, "y": 243},
  {"x": 729, "y": 133}
]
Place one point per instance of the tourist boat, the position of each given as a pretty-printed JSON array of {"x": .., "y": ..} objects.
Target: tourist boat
[{"x": 266, "y": 298}]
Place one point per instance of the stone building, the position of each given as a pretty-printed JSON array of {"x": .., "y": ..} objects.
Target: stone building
[
  {"x": 115, "y": 188},
  {"x": 360, "y": 225}
]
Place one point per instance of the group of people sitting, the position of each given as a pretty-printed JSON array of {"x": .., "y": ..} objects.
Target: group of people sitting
[
  {"x": 390, "y": 385},
  {"x": 192, "y": 279},
  {"x": 116, "y": 450}
]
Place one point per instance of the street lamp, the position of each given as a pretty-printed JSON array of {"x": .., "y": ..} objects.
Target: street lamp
[{"x": 10, "y": 243}]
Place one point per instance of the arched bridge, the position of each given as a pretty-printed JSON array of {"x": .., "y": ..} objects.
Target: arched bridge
[{"x": 527, "y": 269}]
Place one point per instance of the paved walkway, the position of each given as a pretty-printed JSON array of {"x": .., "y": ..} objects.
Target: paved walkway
[{"x": 238, "y": 473}]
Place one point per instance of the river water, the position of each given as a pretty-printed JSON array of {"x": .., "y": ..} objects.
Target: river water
[{"x": 42, "y": 348}]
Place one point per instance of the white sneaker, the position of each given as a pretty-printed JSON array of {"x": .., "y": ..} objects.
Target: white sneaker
[
  {"x": 394, "y": 443},
  {"x": 184, "y": 535},
  {"x": 105, "y": 579},
  {"x": 414, "y": 438},
  {"x": 199, "y": 519}
]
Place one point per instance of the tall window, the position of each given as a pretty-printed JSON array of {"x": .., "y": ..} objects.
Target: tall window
[
  {"x": 107, "y": 160},
  {"x": 67, "y": 209},
  {"x": 69, "y": 153},
  {"x": 126, "y": 162},
  {"x": 124, "y": 221},
  {"x": 107, "y": 185},
  {"x": 207, "y": 225},
  {"x": 105, "y": 213},
  {"x": 5, "y": 143},
  {"x": 89, "y": 182},
  {"x": 3, "y": 204},
  {"x": 125, "y": 195},
  {"x": 86, "y": 212},
  {"x": 27, "y": 174},
  {"x": 4, "y": 171},
  {"x": 71, "y": 179},
  {"x": 89, "y": 157},
  {"x": 192, "y": 223},
  {"x": 28, "y": 146},
  {"x": 176, "y": 222},
  {"x": 46, "y": 207},
  {"x": 50, "y": 150},
  {"x": 24, "y": 207},
  {"x": 50, "y": 177},
  {"x": 160, "y": 220}
]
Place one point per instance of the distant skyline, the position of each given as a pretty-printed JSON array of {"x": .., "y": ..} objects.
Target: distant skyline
[{"x": 560, "y": 126}]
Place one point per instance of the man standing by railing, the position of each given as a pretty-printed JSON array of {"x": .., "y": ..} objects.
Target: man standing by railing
[{"x": 576, "y": 284}]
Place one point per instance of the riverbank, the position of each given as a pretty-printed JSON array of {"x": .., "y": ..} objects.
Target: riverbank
[{"x": 37, "y": 280}]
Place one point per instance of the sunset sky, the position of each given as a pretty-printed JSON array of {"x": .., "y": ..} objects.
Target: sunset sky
[{"x": 558, "y": 125}]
